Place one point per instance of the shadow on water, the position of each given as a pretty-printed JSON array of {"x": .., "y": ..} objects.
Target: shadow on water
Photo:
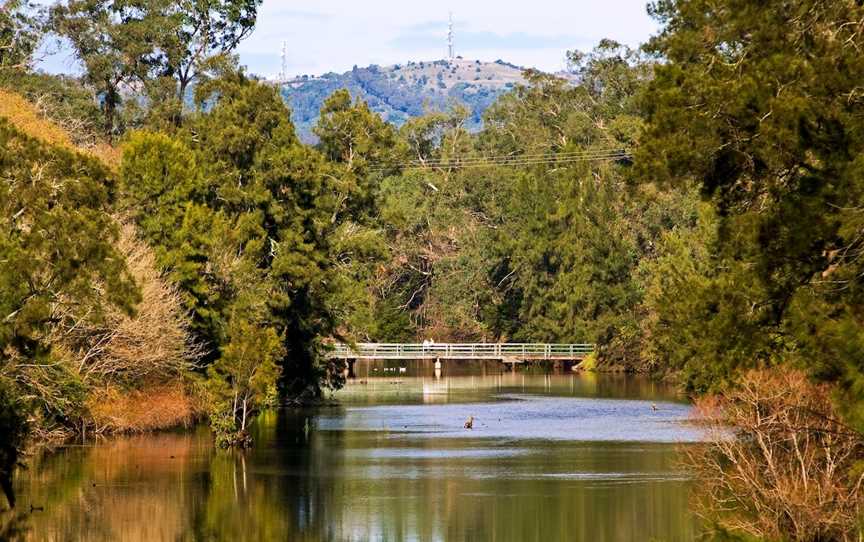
[{"x": 394, "y": 469}]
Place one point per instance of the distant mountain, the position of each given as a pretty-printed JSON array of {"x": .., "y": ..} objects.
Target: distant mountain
[{"x": 403, "y": 91}]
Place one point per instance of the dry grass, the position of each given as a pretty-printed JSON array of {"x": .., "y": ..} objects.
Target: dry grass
[
  {"x": 779, "y": 463},
  {"x": 27, "y": 118},
  {"x": 156, "y": 406}
]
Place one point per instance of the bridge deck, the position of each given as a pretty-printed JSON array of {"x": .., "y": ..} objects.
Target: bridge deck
[{"x": 485, "y": 351}]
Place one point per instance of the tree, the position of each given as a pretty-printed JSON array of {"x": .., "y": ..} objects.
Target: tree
[
  {"x": 200, "y": 30},
  {"x": 241, "y": 381},
  {"x": 21, "y": 31},
  {"x": 358, "y": 140},
  {"x": 160, "y": 46},
  {"x": 759, "y": 103},
  {"x": 112, "y": 40},
  {"x": 57, "y": 248},
  {"x": 57, "y": 240},
  {"x": 246, "y": 221}
]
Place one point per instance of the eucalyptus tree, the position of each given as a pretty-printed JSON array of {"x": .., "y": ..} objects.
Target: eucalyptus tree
[
  {"x": 21, "y": 32},
  {"x": 151, "y": 49}
]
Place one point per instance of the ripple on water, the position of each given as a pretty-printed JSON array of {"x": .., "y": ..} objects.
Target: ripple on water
[{"x": 517, "y": 417}]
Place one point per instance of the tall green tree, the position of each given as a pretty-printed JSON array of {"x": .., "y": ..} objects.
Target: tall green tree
[
  {"x": 200, "y": 30},
  {"x": 248, "y": 222},
  {"x": 112, "y": 41},
  {"x": 159, "y": 46},
  {"x": 759, "y": 104},
  {"x": 363, "y": 146}
]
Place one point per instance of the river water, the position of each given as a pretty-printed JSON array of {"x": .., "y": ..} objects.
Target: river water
[{"x": 550, "y": 457}]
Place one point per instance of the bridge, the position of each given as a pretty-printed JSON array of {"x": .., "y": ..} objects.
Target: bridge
[{"x": 505, "y": 352}]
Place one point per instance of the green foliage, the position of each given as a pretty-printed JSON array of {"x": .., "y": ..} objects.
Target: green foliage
[
  {"x": 110, "y": 39},
  {"x": 758, "y": 103},
  {"x": 701, "y": 322},
  {"x": 548, "y": 251},
  {"x": 240, "y": 381},
  {"x": 196, "y": 33},
  {"x": 247, "y": 221},
  {"x": 160, "y": 45},
  {"x": 56, "y": 240},
  {"x": 58, "y": 257},
  {"x": 349, "y": 131},
  {"x": 21, "y": 30}
]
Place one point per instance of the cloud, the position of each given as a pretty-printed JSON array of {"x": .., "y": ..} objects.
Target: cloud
[
  {"x": 428, "y": 27},
  {"x": 296, "y": 14}
]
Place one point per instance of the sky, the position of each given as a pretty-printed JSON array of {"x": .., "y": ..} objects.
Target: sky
[{"x": 334, "y": 35}]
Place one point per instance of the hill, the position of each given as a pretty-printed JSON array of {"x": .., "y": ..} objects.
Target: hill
[{"x": 403, "y": 91}]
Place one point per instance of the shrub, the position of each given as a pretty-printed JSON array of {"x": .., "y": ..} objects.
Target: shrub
[
  {"x": 152, "y": 343},
  {"x": 779, "y": 464},
  {"x": 155, "y": 406},
  {"x": 242, "y": 381}
]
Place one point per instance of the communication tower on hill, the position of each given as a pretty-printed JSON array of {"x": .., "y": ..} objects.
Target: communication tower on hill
[
  {"x": 283, "y": 75},
  {"x": 451, "y": 52}
]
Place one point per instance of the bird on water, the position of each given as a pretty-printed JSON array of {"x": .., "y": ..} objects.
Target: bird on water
[{"x": 469, "y": 423}]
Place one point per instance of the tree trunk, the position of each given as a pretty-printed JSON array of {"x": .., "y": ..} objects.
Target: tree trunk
[{"x": 110, "y": 108}]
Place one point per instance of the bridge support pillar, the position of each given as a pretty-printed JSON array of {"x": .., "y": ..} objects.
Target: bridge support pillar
[
  {"x": 437, "y": 364},
  {"x": 350, "y": 363}
]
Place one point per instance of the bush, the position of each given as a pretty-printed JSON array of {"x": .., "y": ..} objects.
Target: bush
[
  {"x": 156, "y": 406},
  {"x": 242, "y": 381},
  {"x": 778, "y": 464},
  {"x": 153, "y": 343}
]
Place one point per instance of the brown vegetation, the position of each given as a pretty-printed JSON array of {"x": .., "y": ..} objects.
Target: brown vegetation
[
  {"x": 30, "y": 118},
  {"x": 157, "y": 406},
  {"x": 26, "y": 118},
  {"x": 110, "y": 370},
  {"x": 152, "y": 343},
  {"x": 779, "y": 464}
]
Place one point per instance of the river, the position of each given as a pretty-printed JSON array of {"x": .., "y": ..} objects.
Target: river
[{"x": 550, "y": 457}]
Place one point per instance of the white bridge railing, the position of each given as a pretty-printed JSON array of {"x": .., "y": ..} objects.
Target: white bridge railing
[{"x": 521, "y": 351}]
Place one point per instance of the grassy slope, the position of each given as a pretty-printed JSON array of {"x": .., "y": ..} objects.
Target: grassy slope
[{"x": 27, "y": 119}]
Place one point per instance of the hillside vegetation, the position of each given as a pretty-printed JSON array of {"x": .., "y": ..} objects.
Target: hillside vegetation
[
  {"x": 404, "y": 91},
  {"x": 99, "y": 353}
]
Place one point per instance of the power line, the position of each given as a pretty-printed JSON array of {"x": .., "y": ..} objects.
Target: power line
[
  {"x": 517, "y": 157},
  {"x": 515, "y": 160}
]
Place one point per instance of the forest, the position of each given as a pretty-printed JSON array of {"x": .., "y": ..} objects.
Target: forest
[{"x": 695, "y": 207}]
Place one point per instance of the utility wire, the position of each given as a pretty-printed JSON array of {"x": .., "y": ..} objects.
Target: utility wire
[
  {"x": 519, "y": 157},
  {"x": 514, "y": 160}
]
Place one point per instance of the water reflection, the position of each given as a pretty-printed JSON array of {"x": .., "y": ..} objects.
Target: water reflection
[{"x": 390, "y": 469}]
